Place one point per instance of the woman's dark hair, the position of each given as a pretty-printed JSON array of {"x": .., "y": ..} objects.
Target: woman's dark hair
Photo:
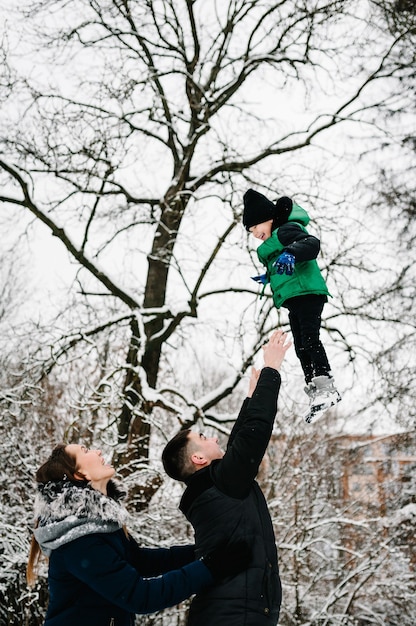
[
  {"x": 59, "y": 466},
  {"x": 175, "y": 457}
]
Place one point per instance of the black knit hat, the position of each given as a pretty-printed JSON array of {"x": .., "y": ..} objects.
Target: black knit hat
[{"x": 257, "y": 209}]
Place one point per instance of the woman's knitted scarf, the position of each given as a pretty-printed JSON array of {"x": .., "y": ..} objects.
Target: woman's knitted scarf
[{"x": 67, "y": 510}]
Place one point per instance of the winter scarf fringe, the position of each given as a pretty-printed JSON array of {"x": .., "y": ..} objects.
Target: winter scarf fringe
[{"x": 68, "y": 510}]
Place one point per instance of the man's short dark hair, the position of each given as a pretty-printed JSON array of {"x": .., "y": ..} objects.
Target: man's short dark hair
[{"x": 175, "y": 457}]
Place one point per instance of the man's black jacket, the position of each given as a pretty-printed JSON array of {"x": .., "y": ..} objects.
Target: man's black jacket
[{"x": 223, "y": 502}]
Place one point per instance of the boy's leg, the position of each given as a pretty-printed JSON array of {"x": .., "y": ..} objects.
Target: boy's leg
[
  {"x": 323, "y": 396},
  {"x": 302, "y": 355},
  {"x": 305, "y": 315}
]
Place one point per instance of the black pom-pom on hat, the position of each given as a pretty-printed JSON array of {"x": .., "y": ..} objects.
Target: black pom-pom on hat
[
  {"x": 283, "y": 209},
  {"x": 257, "y": 209}
]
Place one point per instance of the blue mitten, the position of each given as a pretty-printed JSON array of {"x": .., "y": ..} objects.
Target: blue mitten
[
  {"x": 285, "y": 263},
  {"x": 262, "y": 278}
]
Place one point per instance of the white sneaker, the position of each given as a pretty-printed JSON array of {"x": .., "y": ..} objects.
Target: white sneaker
[{"x": 323, "y": 395}]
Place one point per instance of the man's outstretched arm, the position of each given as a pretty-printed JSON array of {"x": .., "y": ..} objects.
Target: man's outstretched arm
[
  {"x": 239, "y": 466},
  {"x": 254, "y": 377}
]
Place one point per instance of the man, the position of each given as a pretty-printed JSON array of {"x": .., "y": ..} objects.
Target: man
[{"x": 223, "y": 501}]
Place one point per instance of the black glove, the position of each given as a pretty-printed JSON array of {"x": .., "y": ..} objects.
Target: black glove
[{"x": 228, "y": 559}]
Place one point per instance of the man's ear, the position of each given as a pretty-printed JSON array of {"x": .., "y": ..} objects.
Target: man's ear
[{"x": 198, "y": 459}]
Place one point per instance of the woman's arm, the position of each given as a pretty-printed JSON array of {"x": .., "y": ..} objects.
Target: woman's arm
[
  {"x": 156, "y": 561},
  {"x": 96, "y": 562}
]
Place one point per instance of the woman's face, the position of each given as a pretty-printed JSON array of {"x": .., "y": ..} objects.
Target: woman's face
[{"x": 90, "y": 464}]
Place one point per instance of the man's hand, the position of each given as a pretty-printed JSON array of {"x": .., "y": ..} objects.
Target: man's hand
[
  {"x": 253, "y": 381},
  {"x": 275, "y": 349}
]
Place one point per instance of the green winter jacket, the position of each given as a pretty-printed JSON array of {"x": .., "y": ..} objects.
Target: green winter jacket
[{"x": 293, "y": 237}]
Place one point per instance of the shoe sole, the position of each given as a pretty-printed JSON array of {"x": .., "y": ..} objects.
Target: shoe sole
[{"x": 318, "y": 411}]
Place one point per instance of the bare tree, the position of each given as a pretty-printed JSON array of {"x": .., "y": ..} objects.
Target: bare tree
[
  {"x": 132, "y": 137},
  {"x": 343, "y": 554},
  {"x": 131, "y": 134}
]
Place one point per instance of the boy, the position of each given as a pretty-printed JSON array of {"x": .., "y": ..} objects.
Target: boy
[{"x": 289, "y": 254}]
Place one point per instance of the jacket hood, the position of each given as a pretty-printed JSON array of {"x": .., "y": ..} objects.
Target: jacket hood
[
  {"x": 67, "y": 510},
  {"x": 299, "y": 215}
]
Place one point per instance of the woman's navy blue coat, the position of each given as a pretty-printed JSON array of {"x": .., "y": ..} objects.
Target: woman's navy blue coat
[{"x": 103, "y": 579}]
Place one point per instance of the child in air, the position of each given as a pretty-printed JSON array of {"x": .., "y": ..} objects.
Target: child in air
[{"x": 289, "y": 254}]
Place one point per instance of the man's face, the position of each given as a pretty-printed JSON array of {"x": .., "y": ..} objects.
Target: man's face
[
  {"x": 204, "y": 449},
  {"x": 262, "y": 231}
]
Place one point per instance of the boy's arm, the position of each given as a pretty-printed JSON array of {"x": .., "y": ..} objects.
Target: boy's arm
[
  {"x": 303, "y": 246},
  {"x": 236, "y": 471}
]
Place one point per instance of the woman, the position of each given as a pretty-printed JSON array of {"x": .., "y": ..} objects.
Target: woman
[{"x": 97, "y": 572}]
